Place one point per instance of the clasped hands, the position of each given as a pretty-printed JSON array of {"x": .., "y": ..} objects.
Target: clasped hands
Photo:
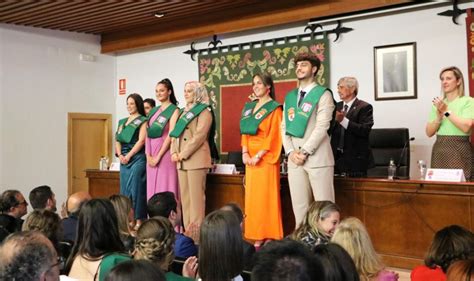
[
  {"x": 251, "y": 161},
  {"x": 298, "y": 157},
  {"x": 440, "y": 106},
  {"x": 176, "y": 157},
  {"x": 124, "y": 159},
  {"x": 152, "y": 161}
]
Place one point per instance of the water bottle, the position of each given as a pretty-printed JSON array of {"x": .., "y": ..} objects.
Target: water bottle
[
  {"x": 392, "y": 169},
  {"x": 103, "y": 163}
]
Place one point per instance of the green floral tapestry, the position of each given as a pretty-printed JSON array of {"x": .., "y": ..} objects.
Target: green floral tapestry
[{"x": 228, "y": 77}]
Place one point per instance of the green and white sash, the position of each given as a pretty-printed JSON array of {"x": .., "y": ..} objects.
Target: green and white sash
[
  {"x": 124, "y": 132},
  {"x": 296, "y": 118},
  {"x": 155, "y": 129},
  {"x": 186, "y": 118},
  {"x": 249, "y": 121}
]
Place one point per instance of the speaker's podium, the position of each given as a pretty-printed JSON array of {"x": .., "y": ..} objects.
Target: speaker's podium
[{"x": 401, "y": 216}]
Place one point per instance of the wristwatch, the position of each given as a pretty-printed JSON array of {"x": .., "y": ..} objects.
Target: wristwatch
[{"x": 447, "y": 113}]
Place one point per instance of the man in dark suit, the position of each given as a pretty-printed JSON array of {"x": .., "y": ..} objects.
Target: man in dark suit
[{"x": 350, "y": 133}]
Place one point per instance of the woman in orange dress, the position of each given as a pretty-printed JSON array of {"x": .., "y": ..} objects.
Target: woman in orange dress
[{"x": 261, "y": 147}]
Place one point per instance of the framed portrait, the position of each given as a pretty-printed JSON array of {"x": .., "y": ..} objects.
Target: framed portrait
[{"x": 395, "y": 71}]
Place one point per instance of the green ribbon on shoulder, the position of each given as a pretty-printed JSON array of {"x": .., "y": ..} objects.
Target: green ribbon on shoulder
[
  {"x": 296, "y": 118},
  {"x": 155, "y": 129},
  {"x": 125, "y": 132},
  {"x": 186, "y": 118},
  {"x": 249, "y": 121}
]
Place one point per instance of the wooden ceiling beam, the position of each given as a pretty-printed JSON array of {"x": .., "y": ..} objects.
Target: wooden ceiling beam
[
  {"x": 155, "y": 35},
  {"x": 119, "y": 23}
]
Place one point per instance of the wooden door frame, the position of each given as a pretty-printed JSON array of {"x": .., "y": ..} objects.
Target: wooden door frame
[{"x": 108, "y": 143}]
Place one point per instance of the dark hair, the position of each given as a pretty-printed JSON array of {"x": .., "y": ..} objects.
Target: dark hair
[
  {"x": 221, "y": 247},
  {"x": 8, "y": 200},
  {"x": 138, "y": 103},
  {"x": 314, "y": 60},
  {"x": 286, "y": 260},
  {"x": 161, "y": 204},
  {"x": 234, "y": 208},
  {"x": 150, "y": 101},
  {"x": 267, "y": 81},
  {"x": 39, "y": 196},
  {"x": 336, "y": 262},
  {"x": 31, "y": 258},
  {"x": 131, "y": 270},
  {"x": 46, "y": 222},
  {"x": 169, "y": 86},
  {"x": 450, "y": 244},
  {"x": 97, "y": 232}
]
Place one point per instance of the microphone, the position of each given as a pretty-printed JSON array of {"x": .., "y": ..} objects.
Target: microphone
[{"x": 405, "y": 146}]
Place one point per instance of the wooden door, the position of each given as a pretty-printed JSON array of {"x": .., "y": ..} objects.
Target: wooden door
[{"x": 89, "y": 138}]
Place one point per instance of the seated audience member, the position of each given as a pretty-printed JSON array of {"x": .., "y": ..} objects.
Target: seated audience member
[
  {"x": 286, "y": 260},
  {"x": 12, "y": 208},
  {"x": 164, "y": 204},
  {"x": 135, "y": 270},
  {"x": 462, "y": 270},
  {"x": 337, "y": 264},
  {"x": 354, "y": 238},
  {"x": 249, "y": 249},
  {"x": 98, "y": 247},
  {"x": 73, "y": 206},
  {"x": 350, "y": 133},
  {"x": 49, "y": 223},
  {"x": 124, "y": 209},
  {"x": 42, "y": 197},
  {"x": 155, "y": 242},
  {"x": 220, "y": 249},
  {"x": 449, "y": 244},
  {"x": 28, "y": 256},
  {"x": 318, "y": 224}
]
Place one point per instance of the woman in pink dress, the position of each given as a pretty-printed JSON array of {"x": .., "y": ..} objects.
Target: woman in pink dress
[{"x": 161, "y": 173}]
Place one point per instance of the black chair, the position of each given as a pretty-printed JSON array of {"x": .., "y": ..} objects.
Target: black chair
[
  {"x": 235, "y": 157},
  {"x": 386, "y": 144}
]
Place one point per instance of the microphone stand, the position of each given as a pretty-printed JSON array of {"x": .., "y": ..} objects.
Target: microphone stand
[{"x": 405, "y": 147}]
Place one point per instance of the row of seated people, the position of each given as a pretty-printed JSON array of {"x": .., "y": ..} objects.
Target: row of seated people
[{"x": 104, "y": 238}]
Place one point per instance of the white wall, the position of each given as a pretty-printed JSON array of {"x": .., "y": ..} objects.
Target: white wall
[
  {"x": 439, "y": 42},
  {"x": 42, "y": 79}
]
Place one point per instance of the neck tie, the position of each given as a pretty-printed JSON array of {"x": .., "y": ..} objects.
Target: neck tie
[
  {"x": 345, "y": 109},
  {"x": 302, "y": 93}
]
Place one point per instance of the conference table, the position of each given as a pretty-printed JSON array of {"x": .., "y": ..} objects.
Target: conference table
[{"x": 401, "y": 216}]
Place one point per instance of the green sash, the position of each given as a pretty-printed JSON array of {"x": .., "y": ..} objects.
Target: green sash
[
  {"x": 249, "y": 122},
  {"x": 155, "y": 130},
  {"x": 296, "y": 118},
  {"x": 186, "y": 118},
  {"x": 124, "y": 132}
]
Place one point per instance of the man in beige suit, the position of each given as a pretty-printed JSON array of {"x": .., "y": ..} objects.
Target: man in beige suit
[{"x": 308, "y": 111}]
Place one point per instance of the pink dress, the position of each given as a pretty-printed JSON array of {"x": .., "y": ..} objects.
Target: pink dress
[{"x": 164, "y": 176}]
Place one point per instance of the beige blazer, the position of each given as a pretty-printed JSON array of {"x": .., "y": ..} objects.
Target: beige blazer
[
  {"x": 192, "y": 145},
  {"x": 316, "y": 140}
]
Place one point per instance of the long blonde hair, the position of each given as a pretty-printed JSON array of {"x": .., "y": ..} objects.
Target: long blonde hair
[
  {"x": 155, "y": 242},
  {"x": 352, "y": 235},
  {"x": 458, "y": 74},
  {"x": 318, "y": 210},
  {"x": 122, "y": 205}
]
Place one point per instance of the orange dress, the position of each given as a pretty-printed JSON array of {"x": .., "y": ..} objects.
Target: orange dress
[{"x": 262, "y": 182}]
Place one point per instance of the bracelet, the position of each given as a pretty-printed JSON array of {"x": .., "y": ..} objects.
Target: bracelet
[{"x": 245, "y": 152}]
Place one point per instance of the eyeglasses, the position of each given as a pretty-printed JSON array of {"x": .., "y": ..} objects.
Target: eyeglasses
[
  {"x": 58, "y": 262},
  {"x": 23, "y": 203}
]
